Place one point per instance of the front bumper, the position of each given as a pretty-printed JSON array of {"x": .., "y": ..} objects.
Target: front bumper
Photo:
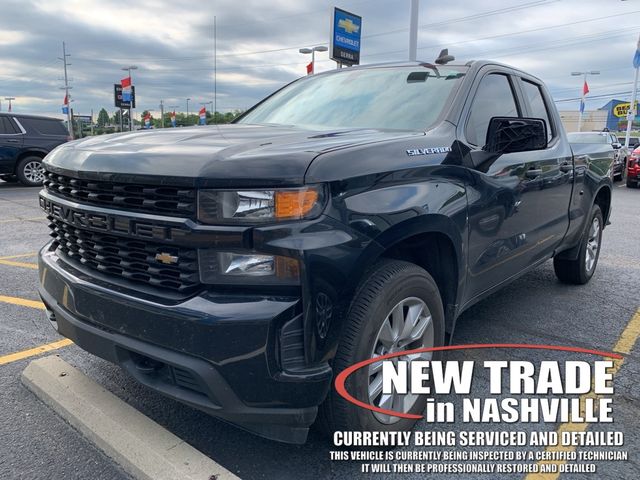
[{"x": 220, "y": 353}]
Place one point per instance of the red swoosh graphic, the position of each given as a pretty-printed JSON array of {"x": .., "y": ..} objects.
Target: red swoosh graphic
[{"x": 342, "y": 376}]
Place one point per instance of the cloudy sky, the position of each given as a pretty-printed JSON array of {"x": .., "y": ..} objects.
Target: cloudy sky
[{"x": 171, "y": 42}]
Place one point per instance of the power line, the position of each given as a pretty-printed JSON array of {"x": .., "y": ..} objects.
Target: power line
[{"x": 296, "y": 47}]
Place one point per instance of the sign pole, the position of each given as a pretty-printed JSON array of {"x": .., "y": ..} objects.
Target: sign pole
[
  {"x": 632, "y": 110},
  {"x": 413, "y": 30}
]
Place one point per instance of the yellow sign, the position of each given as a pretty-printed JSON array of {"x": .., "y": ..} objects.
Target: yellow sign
[{"x": 622, "y": 109}]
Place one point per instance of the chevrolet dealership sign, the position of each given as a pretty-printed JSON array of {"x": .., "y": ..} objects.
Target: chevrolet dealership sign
[{"x": 346, "y": 31}]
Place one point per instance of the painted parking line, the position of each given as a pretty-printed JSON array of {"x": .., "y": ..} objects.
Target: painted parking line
[
  {"x": 10, "y": 261},
  {"x": 22, "y": 302},
  {"x": 624, "y": 345},
  {"x": 32, "y": 352}
]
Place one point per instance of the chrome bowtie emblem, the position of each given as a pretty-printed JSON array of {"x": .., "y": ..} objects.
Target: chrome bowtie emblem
[{"x": 166, "y": 258}]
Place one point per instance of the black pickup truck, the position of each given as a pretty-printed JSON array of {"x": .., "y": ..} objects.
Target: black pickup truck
[{"x": 352, "y": 213}]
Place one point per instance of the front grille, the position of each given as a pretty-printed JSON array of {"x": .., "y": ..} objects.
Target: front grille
[
  {"x": 161, "y": 200},
  {"x": 133, "y": 260}
]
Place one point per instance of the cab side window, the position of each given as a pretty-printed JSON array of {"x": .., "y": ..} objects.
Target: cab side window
[
  {"x": 494, "y": 98},
  {"x": 539, "y": 109}
]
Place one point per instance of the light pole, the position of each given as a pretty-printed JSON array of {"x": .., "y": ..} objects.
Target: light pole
[
  {"x": 128, "y": 70},
  {"x": 584, "y": 75},
  {"x": 9, "y": 98},
  {"x": 187, "y": 120},
  {"x": 312, "y": 51}
]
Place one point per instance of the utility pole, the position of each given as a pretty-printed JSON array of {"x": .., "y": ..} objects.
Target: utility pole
[
  {"x": 66, "y": 89},
  {"x": 9, "y": 98},
  {"x": 215, "y": 70},
  {"x": 187, "y": 120},
  {"x": 413, "y": 30},
  {"x": 91, "y": 122},
  {"x": 161, "y": 114}
]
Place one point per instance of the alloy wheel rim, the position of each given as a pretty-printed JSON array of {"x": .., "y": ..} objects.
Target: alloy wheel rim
[
  {"x": 593, "y": 245},
  {"x": 34, "y": 172},
  {"x": 409, "y": 325}
]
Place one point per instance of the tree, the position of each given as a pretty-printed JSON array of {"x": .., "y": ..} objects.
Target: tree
[{"x": 103, "y": 118}]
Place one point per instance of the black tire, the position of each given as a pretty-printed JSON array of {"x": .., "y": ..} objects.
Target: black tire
[
  {"x": 631, "y": 184},
  {"x": 388, "y": 283},
  {"x": 576, "y": 271},
  {"x": 26, "y": 171}
]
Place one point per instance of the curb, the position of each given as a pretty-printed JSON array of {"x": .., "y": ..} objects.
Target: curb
[{"x": 139, "y": 445}]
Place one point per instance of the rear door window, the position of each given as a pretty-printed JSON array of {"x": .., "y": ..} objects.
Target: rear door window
[
  {"x": 7, "y": 127},
  {"x": 44, "y": 127},
  {"x": 538, "y": 106}
]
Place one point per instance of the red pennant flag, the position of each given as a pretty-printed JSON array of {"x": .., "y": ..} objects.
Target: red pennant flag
[
  {"x": 310, "y": 68},
  {"x": 66, "y": 100},
  {"x": 125, "y": 82},
  {"x": 585, "y": 88}
]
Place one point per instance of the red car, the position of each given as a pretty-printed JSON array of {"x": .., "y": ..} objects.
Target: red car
[{"x": 633, "y": 169}]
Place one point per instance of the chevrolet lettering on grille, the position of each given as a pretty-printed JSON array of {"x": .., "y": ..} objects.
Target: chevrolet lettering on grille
[{"x": 108, "y": 223}]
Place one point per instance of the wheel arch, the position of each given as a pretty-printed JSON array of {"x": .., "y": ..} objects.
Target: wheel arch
[
  {"x": 434, "y": 243},
  {"x": 30, "y": 153},
  {"x": 602, "y": 198}
]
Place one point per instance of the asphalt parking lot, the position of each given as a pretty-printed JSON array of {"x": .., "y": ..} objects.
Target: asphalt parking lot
[{"x": 535, "y": 309}]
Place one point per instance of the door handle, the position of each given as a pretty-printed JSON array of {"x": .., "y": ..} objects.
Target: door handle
[
  {"x": 534, "y": 172},
  {"x": 566, "y": 167},
  {"x": 12, "y": 140}
]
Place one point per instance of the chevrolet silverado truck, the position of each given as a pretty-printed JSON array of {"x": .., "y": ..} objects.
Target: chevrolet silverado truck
[{"x": 238, "y": 268}]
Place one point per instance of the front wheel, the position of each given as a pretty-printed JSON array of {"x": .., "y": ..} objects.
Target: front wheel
[
  {"x": 396, "y": 308},
  {"x": 580, "y": 270}
]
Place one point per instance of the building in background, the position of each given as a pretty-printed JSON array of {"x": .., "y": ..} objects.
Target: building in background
[
  {"x": 612, "y": 115},
  {"x": 592, "y": 120},
  {"x": 617, "y": 115}
]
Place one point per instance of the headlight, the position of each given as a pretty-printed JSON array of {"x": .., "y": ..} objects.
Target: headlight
[
  {"x": 248, "y": 268},
  {"x": 259, "y": 206}
]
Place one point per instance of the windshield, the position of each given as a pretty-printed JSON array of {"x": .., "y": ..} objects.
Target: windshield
[
  {"x": 404, "y": 98},
  {"x": 588, "y": 138}
]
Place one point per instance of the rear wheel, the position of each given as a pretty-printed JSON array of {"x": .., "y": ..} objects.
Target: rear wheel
[
  {"x": 397, "y": 308},
  {"x": 30, "y": 171},
  {"x": 580, "y": 270}
]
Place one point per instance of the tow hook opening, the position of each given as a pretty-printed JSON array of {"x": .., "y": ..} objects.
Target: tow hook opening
[
  {"x": 51, "y": 317},
  {"x": 145, "y": 364}
]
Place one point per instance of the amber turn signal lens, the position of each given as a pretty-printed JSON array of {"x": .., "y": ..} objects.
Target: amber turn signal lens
[{"x": 292, "y": 204}]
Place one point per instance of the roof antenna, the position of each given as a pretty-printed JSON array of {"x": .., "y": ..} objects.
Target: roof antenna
[{"x": 444, "y": 57}]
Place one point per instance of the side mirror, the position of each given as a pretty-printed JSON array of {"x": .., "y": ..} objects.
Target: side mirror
[
  {"x": 513, "y": 134},
  {"x": 616, "y": 145}
]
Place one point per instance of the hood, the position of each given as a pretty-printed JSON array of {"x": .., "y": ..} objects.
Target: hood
[{"x": 216, "y": 155}]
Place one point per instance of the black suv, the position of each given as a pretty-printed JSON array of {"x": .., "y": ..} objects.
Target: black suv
[{"x": 24, "y": 141}]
